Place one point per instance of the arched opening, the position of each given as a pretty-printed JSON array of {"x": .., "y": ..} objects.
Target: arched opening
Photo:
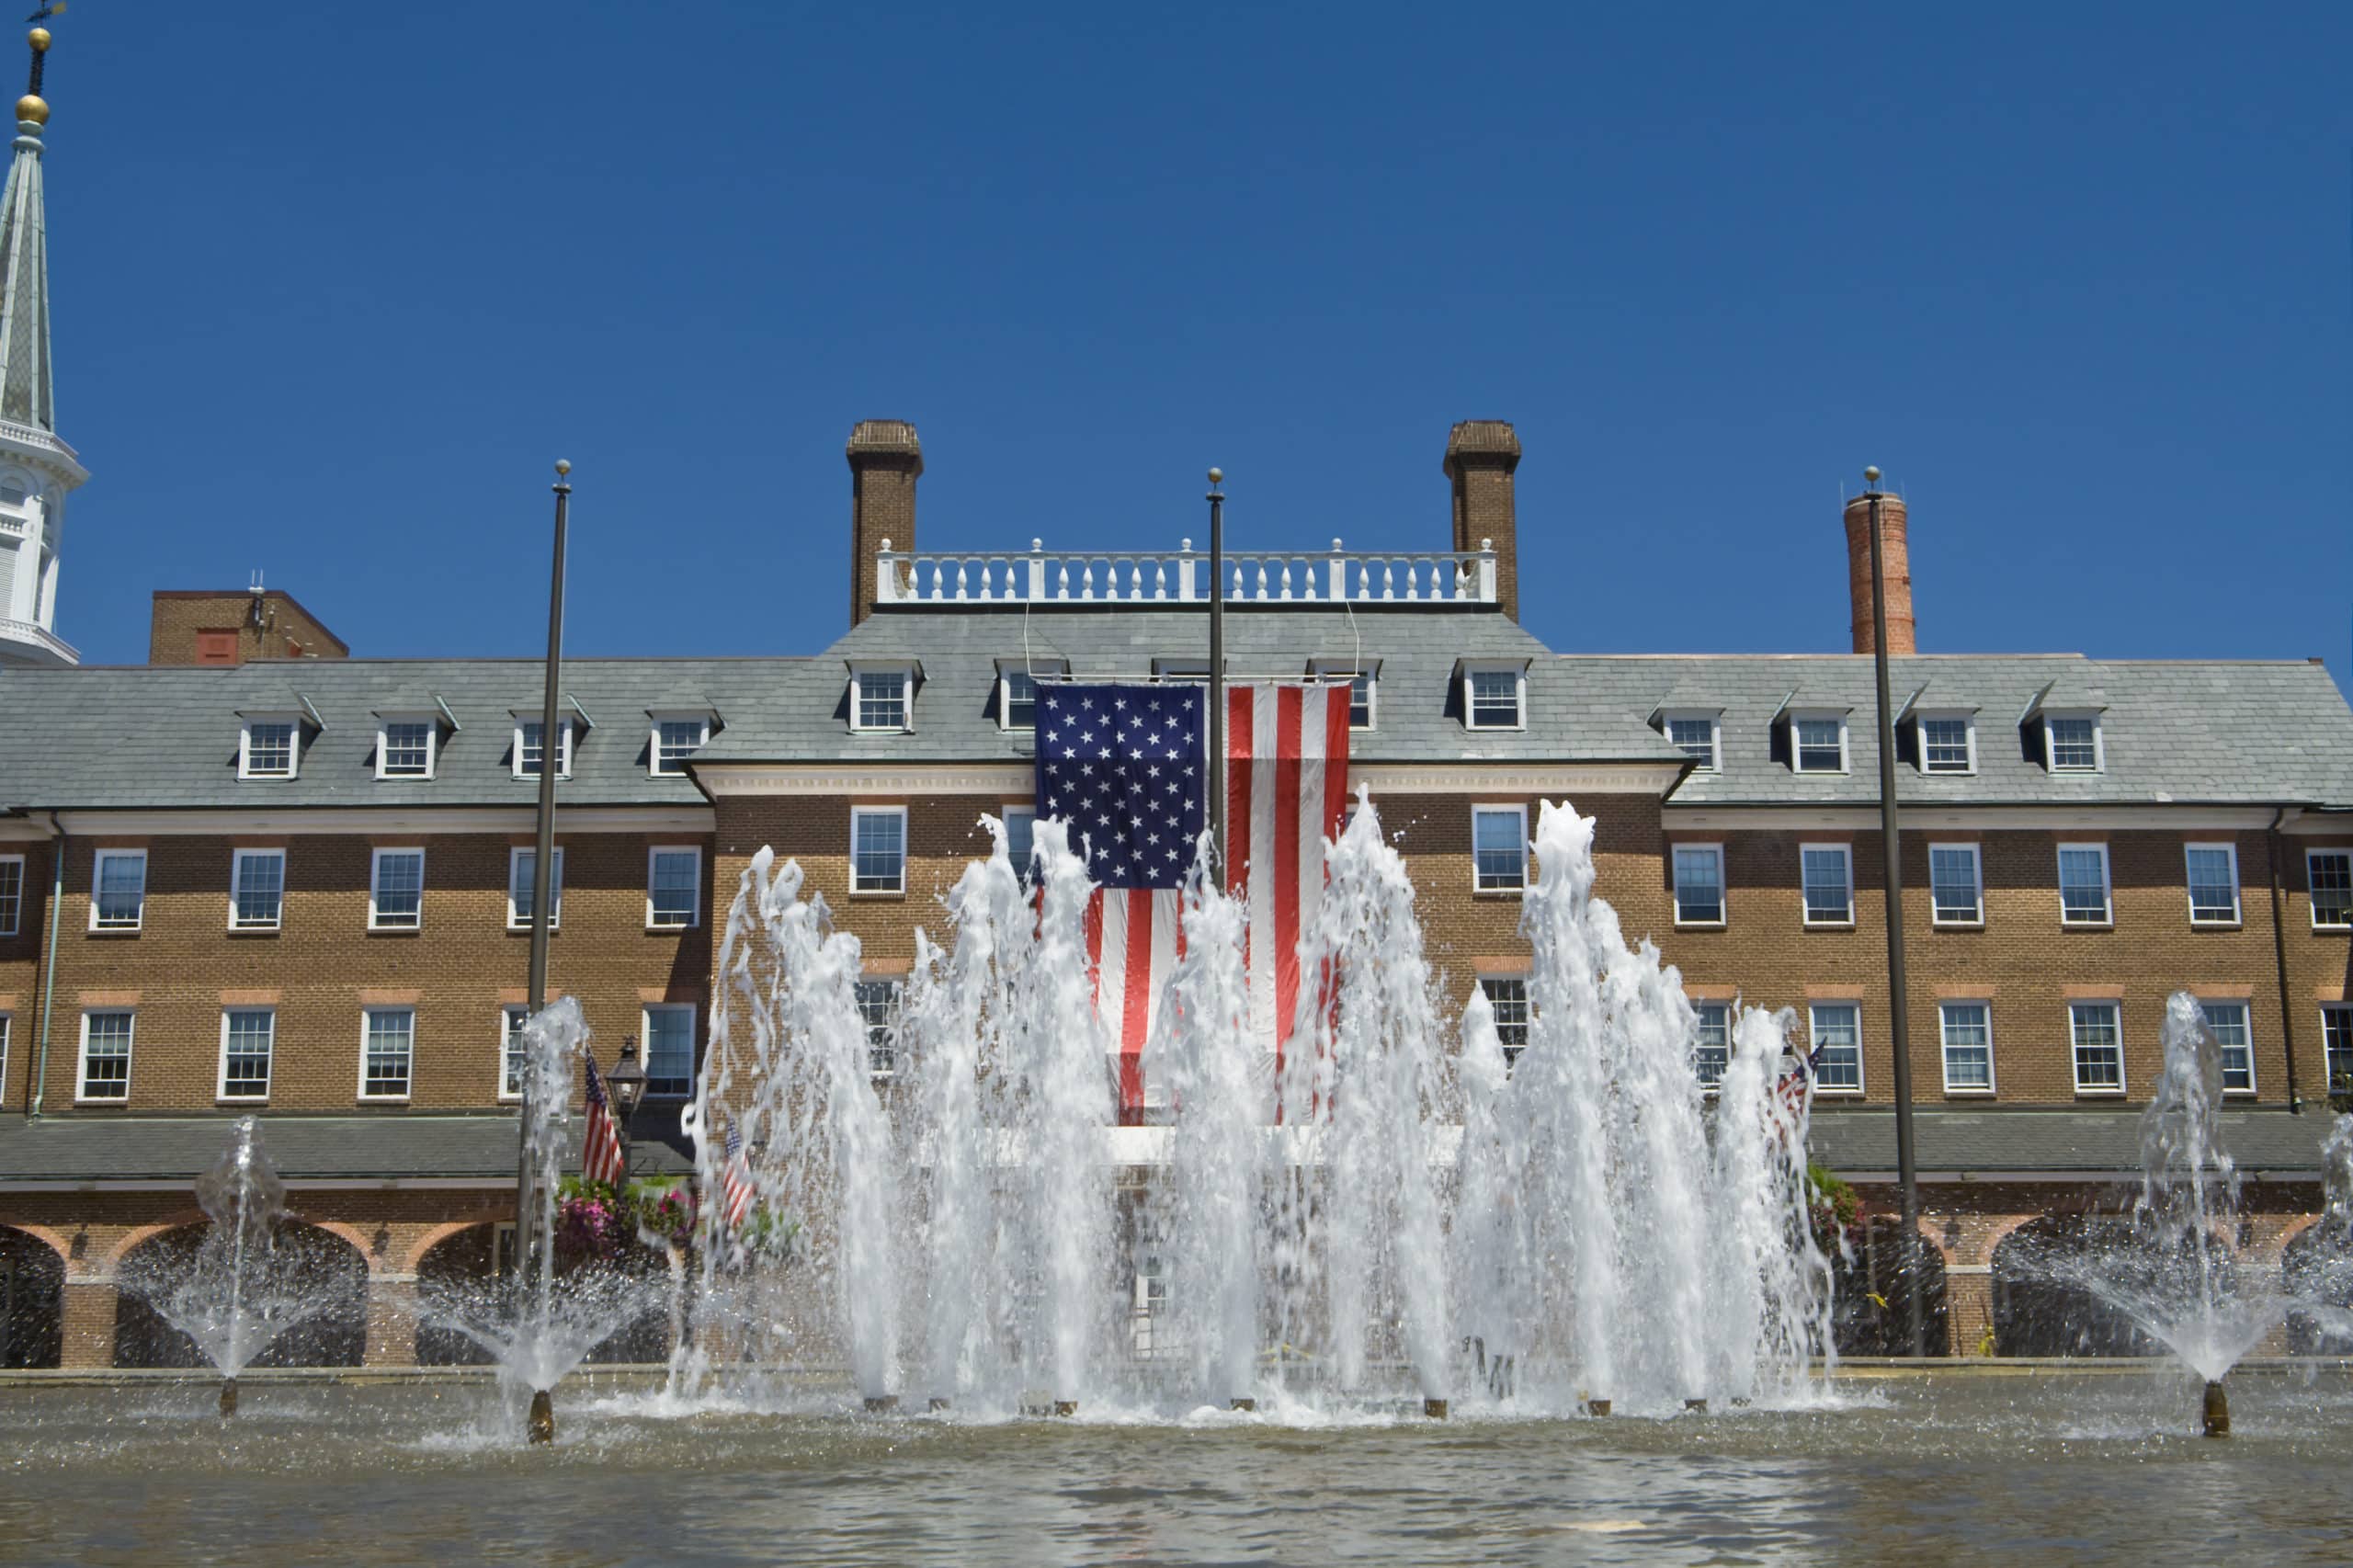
[
  {"x": 32, "y": 1301},
  {"x": 1874, "y": 1292},
  {"x": 2047, "y": 1279},
  {"x": 461, "y": 1272},
  {"x": 327, "y": 1269},
  {"x": 2317, "y": 1268}
]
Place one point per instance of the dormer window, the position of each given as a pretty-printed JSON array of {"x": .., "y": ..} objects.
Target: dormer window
[
  {"x": 1180, "y": 669},
  {"x": 1495, "y": 695},
  {"x": 2072, "y": 742},
  {"x": 881, "y": 699},
  {"x": 1363, "y": 678},
  {"x": 406, "y": 744},
  {"x": 1947, "y": 743},
  {"x": 1016, "y": 690},
  {"x": 676, "y": 735},
  {"x": 1818, "y": 743},
  {"x": 1699, "y": 736},
  {"x": 529, "y": 752},
  {"x": 269, "y": 745}
]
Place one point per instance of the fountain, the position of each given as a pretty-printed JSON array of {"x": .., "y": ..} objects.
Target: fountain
[{"x": 245, "y": 1284}]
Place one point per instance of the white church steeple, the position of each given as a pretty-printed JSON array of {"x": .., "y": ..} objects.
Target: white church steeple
[{"x": 37, "y": 469}]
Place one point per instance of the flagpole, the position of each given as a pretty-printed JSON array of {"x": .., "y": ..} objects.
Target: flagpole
[
  {"x": 543, "y": 871},
  {"x": 1214, "y": 782}
]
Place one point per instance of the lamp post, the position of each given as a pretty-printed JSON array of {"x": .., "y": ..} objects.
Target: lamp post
[
  {"x": 543, "y": 866},
  {"x": 626, "y": 1084},
  {"x": 1898, "y": 1003}
]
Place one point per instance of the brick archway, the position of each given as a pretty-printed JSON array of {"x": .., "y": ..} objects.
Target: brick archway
[
  {"x": 413, "y": 1258},
  {"x": 138, "y": 1236}
]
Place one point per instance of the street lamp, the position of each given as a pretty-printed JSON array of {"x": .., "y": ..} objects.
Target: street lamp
[{"x": 626, "y": 1084}]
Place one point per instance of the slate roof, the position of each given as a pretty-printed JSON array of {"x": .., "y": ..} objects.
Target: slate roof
[{"x": 2106, "y": 1143}]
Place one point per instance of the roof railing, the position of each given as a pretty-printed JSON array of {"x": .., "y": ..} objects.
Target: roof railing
[
  {"x": 1180, "y": 576},
  {"x": 41, "y": 637}
]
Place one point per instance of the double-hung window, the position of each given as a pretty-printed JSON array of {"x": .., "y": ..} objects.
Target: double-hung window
[
  {"x": 511, "y": 1019},
  {"x": 878, "y": 849},
  {"x": 522, "y": 886},
  {"x": 1968, "y": 1031},
  {"x": 105, "y": 1055},
  {"x": 247, "y": 1036},
  {"x": 1698, "y": 884},
  {"x": 1508, "y": 999},
  {"x": 2083, "y": 885},
  {"x": 119, "y": 890},
  {"x": 1947, "y": 743},
  {"x": 1363, "y": 678},
  {"x": 675, "y": 737},
  {"x": 2214, "y": 884},
  {"x": 2336, "y": 1042},
  {"x": 1494, "y": 696},
  {"x": 1016, "y": 700},
  {"x": 530, "y": 747},
  {"x": 396, "y": 891},
  {"x": 881, "y": 698},
  {"x": 673, "y": 887},
  {"x": 1956, "y": 885},
  {"x": 878, "y": 1008},
  {"x": 2098, "y": 1044},
  {"x": 405, "y": 744},
  {"x": 1818, "y": 743},
  {"x": 669, "y": 1050},
  {"x": 1021, "y": 840},
  {"x": 1711, "y": 1049},
  {"x": 1837, "y": 1046},
  {"x": 1699, "y": 737},
  {"x": 2328, "y": 873},
  {"x": 387, "y": 1051},
  {"x": 257, "y": 889},
  {"x": 12, "y": 894},
  {"x": 1499, "y": 848},
  {"x": 267, "y": 746},
  {"x": 2228, "y": 1021},
  {"x": 1828, "y": 872},
  {"x": 2070, "y": 742}
]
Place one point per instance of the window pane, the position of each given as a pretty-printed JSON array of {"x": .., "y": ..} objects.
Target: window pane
[
  {"x": 1952, "y": 882},
  {"x": 122, "y": 889},
  {"x": 12, "y": 896},
  {"x": 524, "y": 865},
  {"x": 1944, "y": 745},
  {"x": 2228, "y": 1020},
  {"x": 2075, "y": 745},
  {"x": 1020, "y": 841},
  {"x": 878, "y": 851},
  {"x": 2099, "y": 1053},
  {"x": 2214, "y": 884},
  {"x": 1712, "y": 1053},
  {"x": 669, "y": 1050},
  {"x": 2336, "y": 1042},
  {"x": 244, "y": 1068},
  {"x": 259, "y": 895},
  {"x": 1508, "y": 995},
  {"x": 1969, "y": 1046},
  {"x": 1828, "y": 900},
  {"x": 2083, "y": 886},
  {"x": 408, "y": 749},
  {"x": 510, "y": 1081},
  {"x": 106, "y": 1056},
  {"x": 1699, "y": 886},
  {"x": 882, "y": 700},
  {"x": 2332, "y": 887},
  {"x": 400, "y": 887},
  {"x": 675, "y": 895},
  {"x": 391, "y": 1033},
  {"x": 1497, "y": 852},
  {"x": 674, "y": 740},
  {"x": 1020, "y": 701},
  {"x": 1360, "y": 703},
  {"x": 1495, "y": 699},
  {"x": 1838, "y": 1044},
  {"x": 1819, "y": 750},
  {"x": 877, "y": 1004},
  {"x": 528, "y": 750},
  {"x": 1697, "y": 737},
  {"x": 269, "y": 748}
]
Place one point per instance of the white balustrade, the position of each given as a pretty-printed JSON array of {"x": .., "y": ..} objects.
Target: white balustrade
[{"x": 1338, "y": 576}]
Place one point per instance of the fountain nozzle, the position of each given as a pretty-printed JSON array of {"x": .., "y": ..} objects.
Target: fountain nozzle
[
  {"x": 2217, "y": 1410},
  {"x": 228, "y": 1397},
  {"x": 541, "y": 1426},
  {"x": 1437, "y": 1409}
]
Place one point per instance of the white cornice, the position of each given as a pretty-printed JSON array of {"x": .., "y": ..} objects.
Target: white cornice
[
  {"x": 370, "y": 818},
  {"x": 1515, "y": 779},
  {"x": 2022, "y": 818},
  {"x": 790, "y": 778}
]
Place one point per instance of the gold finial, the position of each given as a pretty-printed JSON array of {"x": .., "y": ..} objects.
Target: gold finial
[
  {"x": 32, "y": 109},
  {"x": 38, "y": 38}
]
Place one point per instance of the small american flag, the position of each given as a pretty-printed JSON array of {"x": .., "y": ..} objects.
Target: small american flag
[
  {"x": 1797, "y": 1079},
  {"x": 602, "y": 1158},
  {"x": 734, "y": 1182}
]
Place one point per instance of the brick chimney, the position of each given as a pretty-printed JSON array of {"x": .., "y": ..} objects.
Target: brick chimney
[
  {"x": 885, "y": 459},
  {"x": 1480, "y": 457},
  {"x": 1894, "y": 558}
]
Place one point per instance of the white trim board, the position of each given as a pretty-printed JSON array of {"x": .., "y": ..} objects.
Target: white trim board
[
  {"x": 1918, "y": 818},
  {"x": 294, "y": 822}
]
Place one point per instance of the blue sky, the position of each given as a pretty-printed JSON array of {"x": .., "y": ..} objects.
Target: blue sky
[{"x": 334, "y": 285}]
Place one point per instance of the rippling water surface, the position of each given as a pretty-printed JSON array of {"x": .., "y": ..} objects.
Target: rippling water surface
[{"x": 1941, "y": 1470}]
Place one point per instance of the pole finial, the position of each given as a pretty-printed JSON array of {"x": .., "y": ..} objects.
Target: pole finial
[
  {"x": 1870, "y": 473},
  {"x": 563, "y": 465},
  {"x": 1217, "y": 476}
]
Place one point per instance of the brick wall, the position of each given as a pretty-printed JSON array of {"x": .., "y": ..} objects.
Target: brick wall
[
  {"x": 178, "y": 619},
  {"x": 20, "y": 971}
]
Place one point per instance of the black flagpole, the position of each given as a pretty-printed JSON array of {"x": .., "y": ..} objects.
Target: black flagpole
[{"x": 1214, "y": 782}]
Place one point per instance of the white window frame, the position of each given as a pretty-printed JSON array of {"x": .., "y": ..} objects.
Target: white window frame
[
  {"x": 237, "y": 859},
  {"x": 858, "y": 673},
  {"x": 1944, "y": 1047},
  {"x": 2312, "y": 905},
  {"x": 1486, "y": 978},
  {"x": 898, "y": 985},
  {"x": 408, "y": 1094},
  {"x": 8, "y": 1020},
  {"x": 2342, "y": 1011},
  {"x": 658, "y": 849},
  {"x": 130, "y": 1059},
  {"x": 1355, "y": 670},
  {"x": 12, "y": 917},
  {"x": 563, "y": 743},
  {"x": 2107, "y": 887},
  {"x": 221, "y": 1082},
  {"x": 1732, "y": 1023},
  {"x": 1805, "y": 905},
  {"x": 2190, "y": 891},
  {"x": 375, "y": 883},
  {"x": 2074, "y": 1063},
  {"x": 1007, "y": 813},
  {"x": 1977, "y": 877},
  {"x": 1519, "y": 810},
  {"x": 432, "y": 722},
  {"x": 1945, "y": 716},
  {"x": 97, "y": 880},
  {"x": 645, "y": 1033},
  {"x": 516, "y": 920},
  {"x": 519, "y": 1012},
  {"x": 2245, "y": 1004},
  {"x": 905, "y": 851},
  {"x": 1714, "y": 719},
  {"x": 655, "y": 720},
  {"x": 1813, "y": 1043},
  {"x": 1723, "y": 894},
  {"x": 2099, "y": 743},
  {"x": 1005, "y": 679},
  {"x": 1797, "y": 748},
  {"x": 292, "y": 721},
  {"x": 1518, "y": 670}
]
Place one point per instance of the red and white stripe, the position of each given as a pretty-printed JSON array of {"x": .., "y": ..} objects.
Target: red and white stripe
[{"x": 1134, "y": 943}]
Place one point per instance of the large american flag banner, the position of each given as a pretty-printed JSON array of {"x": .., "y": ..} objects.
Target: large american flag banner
[{"x": 1126, "y": 766}]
